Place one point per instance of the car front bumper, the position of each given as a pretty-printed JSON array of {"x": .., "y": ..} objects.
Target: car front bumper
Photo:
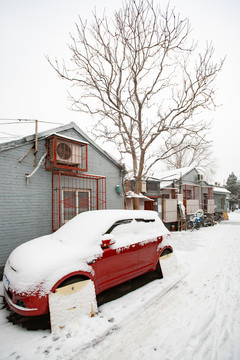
[{"x": 26, "y": 305}]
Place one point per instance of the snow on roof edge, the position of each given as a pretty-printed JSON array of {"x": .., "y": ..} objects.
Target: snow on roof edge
[
  {"x": 11, "y": 144},
  {"x": 131, "y": 194},
  {"x": 217, "y": 189}
]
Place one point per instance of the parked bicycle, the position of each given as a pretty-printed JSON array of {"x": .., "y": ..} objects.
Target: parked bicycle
[
  {"x": 218, "y": 217},
  {"x": 208, "y": 220},
  {"x": 195, "y": 221}
]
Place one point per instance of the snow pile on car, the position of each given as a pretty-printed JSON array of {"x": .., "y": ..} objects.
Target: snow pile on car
[
  {"x": 38, "y": 264},
  {"x": 134, "y": 232},
  {"x": 92, "y": 225}
]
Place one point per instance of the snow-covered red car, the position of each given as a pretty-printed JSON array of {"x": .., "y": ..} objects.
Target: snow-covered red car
[{"x": 107, "y": 246}]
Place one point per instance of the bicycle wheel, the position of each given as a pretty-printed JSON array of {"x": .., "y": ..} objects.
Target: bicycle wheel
[{"x": 197, "y": 225}]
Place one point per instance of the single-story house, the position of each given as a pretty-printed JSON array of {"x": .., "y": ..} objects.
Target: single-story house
[
  {"x": 48, "y": 178},
  {"x": 186, "y": 186},
  {"x": 221, "y": 200}
]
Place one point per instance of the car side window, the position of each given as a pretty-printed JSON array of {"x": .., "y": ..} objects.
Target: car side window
[
  {"x": 131, "y": 231},
  {"x": 117, "y": 224},
  {"x": 130, "y": 226},
  {"x": 144, "y": 227},
  {"x": 144, "y": 220}
]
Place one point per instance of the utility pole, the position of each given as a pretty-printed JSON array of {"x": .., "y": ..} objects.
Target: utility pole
[{"x": 36, "y": 143}]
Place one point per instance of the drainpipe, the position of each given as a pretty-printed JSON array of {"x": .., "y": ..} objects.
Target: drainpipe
[{"x": 35, "y": 170}]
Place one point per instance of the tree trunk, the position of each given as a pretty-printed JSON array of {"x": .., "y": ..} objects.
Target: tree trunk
[
  {"x": 137, "y": 188},
  {"x": 136, "y": 205}
]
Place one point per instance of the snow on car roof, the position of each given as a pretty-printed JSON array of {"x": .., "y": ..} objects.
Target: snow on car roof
[{"x": 91, "y": 224}]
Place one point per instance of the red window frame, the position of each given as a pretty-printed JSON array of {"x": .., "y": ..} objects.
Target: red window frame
[{"x": 62, "y": 181}]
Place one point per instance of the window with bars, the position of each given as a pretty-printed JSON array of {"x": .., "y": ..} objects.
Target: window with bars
[
  {"x": 190, "y": 192},
  {"x": 73, "y": 193},
  {"x": 74, "y": 202}
]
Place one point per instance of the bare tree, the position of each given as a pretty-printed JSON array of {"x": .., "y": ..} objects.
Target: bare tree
[
  {"x": 143, "y": 79},
  {"x": 196, "y": 151}
]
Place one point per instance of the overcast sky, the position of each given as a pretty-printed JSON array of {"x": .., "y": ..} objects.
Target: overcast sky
[{"x": 30, "y": 89}]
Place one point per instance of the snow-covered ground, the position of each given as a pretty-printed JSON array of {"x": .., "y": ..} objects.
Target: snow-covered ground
[{"x": 192, "y": 314}]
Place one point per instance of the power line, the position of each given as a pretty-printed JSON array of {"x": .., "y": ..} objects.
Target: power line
[
  {"x": 6, "y": 121},
  {"x": 13, "y": 123},
  {"x": 18, "y": 121},
  {"x": 5, "y": 133},
  {"x": 50, "y": 122},
  {"x": 27, "y": 120}
]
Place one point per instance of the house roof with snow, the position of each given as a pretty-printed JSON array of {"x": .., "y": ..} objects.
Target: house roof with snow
[
  {"x": 57, "y": 131},
  {"x": 167, "y": 177},
  {"x": 131, "y": 195},
  {"x": 175, "y": 174},
  {"x": 220, "y": 190}
]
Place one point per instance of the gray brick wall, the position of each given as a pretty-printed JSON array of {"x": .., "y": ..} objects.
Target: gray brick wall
[
  {"x": 191, "y": 177},
  {"x": 100, "y": 165},
  {"x": 26, "y": 206}
]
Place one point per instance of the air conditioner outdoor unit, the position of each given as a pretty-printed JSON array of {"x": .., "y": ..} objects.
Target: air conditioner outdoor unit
[
  {"x": 67, "y": 153},
  {"x": 143, "y": 186},
  {"x": 201, "y": 177}
]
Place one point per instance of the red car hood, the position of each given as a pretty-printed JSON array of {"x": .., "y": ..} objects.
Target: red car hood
[{"x": 40, "y": 263}]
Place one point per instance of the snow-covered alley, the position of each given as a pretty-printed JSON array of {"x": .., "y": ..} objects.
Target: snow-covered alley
[{"x": 192, "y": 314}]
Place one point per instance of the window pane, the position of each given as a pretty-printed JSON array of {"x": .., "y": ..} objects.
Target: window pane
[
  {"x": 83, "y": 201},
  {"x": 69, "y": 201}
]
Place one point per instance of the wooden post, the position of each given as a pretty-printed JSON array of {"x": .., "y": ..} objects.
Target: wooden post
[{"x": 36, "y": 143}]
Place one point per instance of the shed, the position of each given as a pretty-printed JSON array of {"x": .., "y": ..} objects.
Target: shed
[{"x": 221, "y": 198}]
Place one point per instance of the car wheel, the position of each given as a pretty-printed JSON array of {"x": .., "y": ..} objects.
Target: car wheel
[
  {"x": 73, "y": 280},
  {"x": 159, "y": 270},
  {"x": 166, "y": 252}
]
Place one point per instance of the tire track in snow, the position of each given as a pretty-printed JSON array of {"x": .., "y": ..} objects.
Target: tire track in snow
[
  {"x": 201, "y": 332},
  {"x": 213, "y": 325}
]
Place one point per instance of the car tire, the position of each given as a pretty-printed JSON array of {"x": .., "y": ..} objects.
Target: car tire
[
  {"x": 73, "y": 280},
  {"x": 159, "y": 270}
]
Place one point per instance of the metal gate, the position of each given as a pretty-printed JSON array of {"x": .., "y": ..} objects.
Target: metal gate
[{"x": 73, "y": 193}]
